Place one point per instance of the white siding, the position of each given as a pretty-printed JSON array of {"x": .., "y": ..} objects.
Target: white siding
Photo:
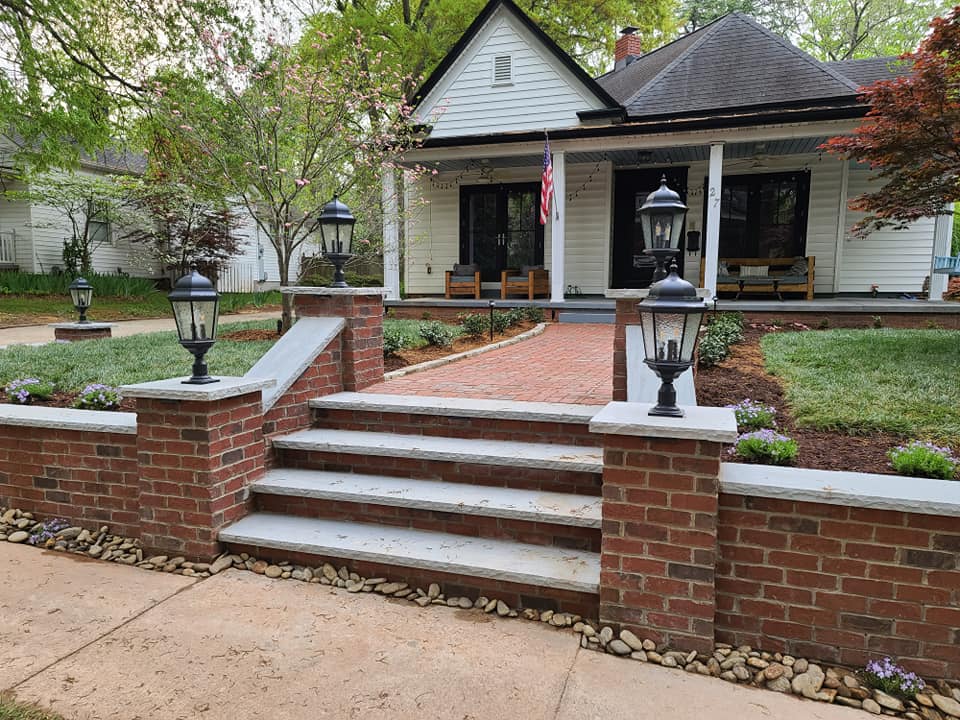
[
  {"x": 543, "y": 94},
  {"x": 269, "y": 269},
  {"x": 896, "y": 260},
  {"x": 433, "y": 229},
  {"x": 15, "y": 217}
]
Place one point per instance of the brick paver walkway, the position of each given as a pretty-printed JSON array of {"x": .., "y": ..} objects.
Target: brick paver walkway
[{"x": 567, "y": 363}]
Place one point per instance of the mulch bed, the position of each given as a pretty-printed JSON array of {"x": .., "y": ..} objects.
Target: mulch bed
[
  {"x": 404, "y": 358},
  {"x": 742, "y": 376},
  {"x": 250, "y": 335}
]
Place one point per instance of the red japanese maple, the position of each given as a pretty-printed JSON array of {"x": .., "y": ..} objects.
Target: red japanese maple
[{"x": 911, "y": 135}]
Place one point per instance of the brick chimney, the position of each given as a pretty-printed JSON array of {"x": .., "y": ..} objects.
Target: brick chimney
[{"x": 627, "y": 49}]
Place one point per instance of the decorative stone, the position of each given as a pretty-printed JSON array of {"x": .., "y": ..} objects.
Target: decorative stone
[
  {"x": 728, "y": 676},
  {"x": 826, "y": 695},
  {"x": 741, "y": 673},
  {"x": 849, "y": 702},
  {"x": 888, "y": 701},
  {"x": 606, "y": 635},
  {"x": 546, "y": 616},
  {"x": 618, "y": 647},
  {"x": 433, "y": 591},
  {"x": 18, "y": 537},
  {"x": 354, "y": 586},
  {"x": 481, "y": 602},
  {"x": 669, "y": 661},
  {"x": 465, "y": 603},
  {"x": 649, "y": 645},
  {"x": 273, "y": 571},
  {"x": 924, "y": 699},
  {"x": 800, "y": 666},
  {"x": 260, "y": 567},
  {"x": 779, "y": 684},
  {"x": 808, "y": 683},
  {"x": 502, "y": 608},
  {"x": 946, "y": 704},
  {"x": 488, "y": 608},
  {"x": 639, "y": 655},
  {"x": 774, "y": 671},
  {"x": 871, "y": 706},
  {"x": 850, "y": 681},
  {"x": 654, "y": 657},
  {"x": 691, "y": 656},
  {"x": 423, "y": 601},
  {"x": 757, "y": 663}
]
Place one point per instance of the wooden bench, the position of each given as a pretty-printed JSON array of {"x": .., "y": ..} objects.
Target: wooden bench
[
  {"x": 463, "y": 280},
  {"x": 527, "y": 281},
  {"x": 776, "y": 280}
]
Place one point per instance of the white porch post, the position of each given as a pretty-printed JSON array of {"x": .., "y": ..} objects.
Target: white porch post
[
  {"x": 391, "y": 234},
  {"x": 558, "y": 281},
  {"x": 942, "y": 234},
  {"x": 712, "y": 249}
]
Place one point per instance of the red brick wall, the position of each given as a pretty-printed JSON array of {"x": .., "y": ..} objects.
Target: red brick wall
[
  {"x": 291, "y": 411},
  {"x": 626, "y": 315},
  {"x": 840, "y": 584},
  {"x": 659, "y": 538},
  {"x": 88, "y": 478},
  {"x": 196, "y": 461},
  {"x": 78, "y": 334}
]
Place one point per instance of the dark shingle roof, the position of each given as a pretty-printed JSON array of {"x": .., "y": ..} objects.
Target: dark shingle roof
[
  {"x": 731, "y": 63},
  {"x": 868, "y": 71}
]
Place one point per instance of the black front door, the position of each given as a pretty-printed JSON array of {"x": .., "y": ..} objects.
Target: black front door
[
  {"x": 500, "y": 227},
  {"x": 631, "y": 268}
]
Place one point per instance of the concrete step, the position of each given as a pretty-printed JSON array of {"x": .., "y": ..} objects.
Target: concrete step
[
  {"x": 602, "y": 318},
  {"x": 499, "y": 560},
  {"x": 447, "y": 449},
  {"x": 450, "y": 497}
]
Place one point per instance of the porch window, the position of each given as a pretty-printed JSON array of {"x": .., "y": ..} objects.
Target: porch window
[{"x": 764, "y": 216}]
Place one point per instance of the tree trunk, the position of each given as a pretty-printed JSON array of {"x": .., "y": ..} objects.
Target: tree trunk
[{"x": 286, "y": 311}]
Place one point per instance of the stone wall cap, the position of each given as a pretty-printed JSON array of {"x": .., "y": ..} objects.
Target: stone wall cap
[
  {"x": 82, "y": 326},
  {"x": 333, "y": 292},
  {"x": 698, "y": 423},
  {"x": 852, "y": 489},
  {"x": 55, "y": 418},
  {"x": 175, "y": 389}
]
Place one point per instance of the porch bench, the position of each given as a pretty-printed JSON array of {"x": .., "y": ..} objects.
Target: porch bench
[
  {"x": 462, "y": 280},
  {"x": 770, "y": 276},
  {"x": 529, "y": 280}
]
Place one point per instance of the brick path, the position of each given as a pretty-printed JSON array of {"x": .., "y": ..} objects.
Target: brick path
[{"x": 567, "y": 363}]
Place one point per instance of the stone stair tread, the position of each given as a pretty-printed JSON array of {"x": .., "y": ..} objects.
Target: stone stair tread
[
  {"x": 530, "y": 505},
  {"x": 451, "y": 449},
  {"x": 458, "y": 407},
  {"x": 503, "y": 560}
]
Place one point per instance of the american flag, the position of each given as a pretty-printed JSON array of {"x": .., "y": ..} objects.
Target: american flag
[{"x": 546, "y": 183}]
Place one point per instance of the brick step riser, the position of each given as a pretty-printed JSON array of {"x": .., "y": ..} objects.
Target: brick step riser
[
  {"x": 469, "y": 428},
  {"x": 521, "y": 478},
  {"x": 516, "y": 595},
  {"x": 480, "y": 526}
]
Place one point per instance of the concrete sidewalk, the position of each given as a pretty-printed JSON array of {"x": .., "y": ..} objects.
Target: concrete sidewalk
[
  {"x": 35, "y": 334},
  {"x": 97, "y": 640}
]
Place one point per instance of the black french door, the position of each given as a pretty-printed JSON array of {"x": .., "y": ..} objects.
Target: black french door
[{"x": 500, "y": 227}]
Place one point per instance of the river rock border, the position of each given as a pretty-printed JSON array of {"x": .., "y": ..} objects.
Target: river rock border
[{"x": 741, "y": 665}]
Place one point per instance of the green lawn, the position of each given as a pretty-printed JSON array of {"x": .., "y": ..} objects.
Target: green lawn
[
  {"x": 11, "y": 710},
  {"x": 859, "y": 381}
]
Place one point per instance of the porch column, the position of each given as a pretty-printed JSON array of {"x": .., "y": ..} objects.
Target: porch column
[
  {"x": 558, "y": 282},
  {"x": 712, "y": 245},
  {"x": 391, "y": 234},
  {"x": 942, "y": 234}
]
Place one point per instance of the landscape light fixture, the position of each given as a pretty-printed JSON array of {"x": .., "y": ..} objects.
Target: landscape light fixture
[
  {"x": 670, "y": 318},
  {"x": 661, "y": 220},
  {"x": 196, "y": 305},
  {"x": 81, "y": 292},
  {"x": 336, "y": 237}
]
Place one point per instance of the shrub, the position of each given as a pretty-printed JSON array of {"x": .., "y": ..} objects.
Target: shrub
[
  {"x": 438, "y": 334},
  {"x": 766, "y": 446},
  {"x": 474, "y": 324},
  {"x": 924, "y": 459},
  {"x": 533, "y": 314},
  {"x": 886, "y": 676},
  {"x": 23, "y": 390},
  {"x": 501, "y": 321},
  {"x": 393, "y": 340},
  {"x": 712, "y": 350},
  {"x": 753, "y": 415},
  {"x": 720, "y": 333},
  {"x": 516, "y": 315},
  {"x": 98, "y": 397}
]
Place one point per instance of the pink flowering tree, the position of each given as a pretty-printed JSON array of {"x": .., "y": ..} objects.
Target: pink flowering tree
[{"x": 281, "y": 135}]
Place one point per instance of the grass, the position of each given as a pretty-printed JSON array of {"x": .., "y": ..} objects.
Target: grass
[
  {"x": 18, "y": 310},
  {"x": 12, "y": 710},
  {"x": 862, "y": 381},
  {"x": 121, "y": 361}
]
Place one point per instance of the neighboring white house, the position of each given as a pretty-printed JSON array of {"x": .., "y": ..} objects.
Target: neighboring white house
[{"x": 732, "y": 114}]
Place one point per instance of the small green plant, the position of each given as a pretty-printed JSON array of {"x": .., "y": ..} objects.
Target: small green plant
[
  {"x": 438, "y": 334},
  {"x": 501, "y": 321},
  {"x": 877, "y": 321},
  {"x": 391, "y": 313},
  {"x": 474, "y": 324},
  {"x": 924, "y": 459},
  {"x": 426, "y": 315},
  {"x": 721, "y": 332},
  {"x": 766, "y": 446},
  {"x": 533, "y": 314},
  {"x": 933, "y": 325},
  {"x": 23, "y": 390},
  {"x": 824, "y": 324},
  {"x": 516, "y": 315},
  {"x": 98, "y": 396},
  {"x": 886, "y": 676},
  {"x": 752, "y": 415},
  {"x": 393, "y": 340}
]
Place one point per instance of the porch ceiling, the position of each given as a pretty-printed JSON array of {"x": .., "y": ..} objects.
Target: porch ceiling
[{"x": 639, "y": 156}]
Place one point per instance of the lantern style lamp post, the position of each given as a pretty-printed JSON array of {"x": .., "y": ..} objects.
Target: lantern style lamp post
[
  {"x": 196, "y": 304},
  {"x": 670, "y": 319},
  {"x": 661, "y": 220},
  {"x": 336, "y": 237},
  {"x": 81, "y": 292}
]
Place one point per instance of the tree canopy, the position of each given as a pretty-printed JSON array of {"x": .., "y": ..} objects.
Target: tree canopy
[{"x": 910, "y": 134}]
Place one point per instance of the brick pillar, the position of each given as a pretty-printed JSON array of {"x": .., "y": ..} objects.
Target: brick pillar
[
  {"x": 198, "y": 448},
  {"x": 75, "y": 332},
  {"x": 362, "y": 311},
  {"x": 626, "y": 315},
  {"x": 659, "y": 537}
]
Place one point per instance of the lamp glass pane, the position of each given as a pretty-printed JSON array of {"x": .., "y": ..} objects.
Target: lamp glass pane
[
  {"x": 675, "y": 229},
  {"x": 649, "y": 335},
  {"x": 183, "y": 315},
  {"x": 645, "y": 227},
  {"x": 662, "y": 229},
  {"x": 81, "y": 296},
  {"x": 328, "y": 235},
  {"x": 669, "y": 327},
  {"x": 205, "y": 315},
  {"x": 346, "y": 238},
  {"x": 690, "y": 335}
]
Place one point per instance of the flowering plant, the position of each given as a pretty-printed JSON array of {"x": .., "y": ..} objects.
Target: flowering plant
[
  {"x": 766, "y": 446},
  {"x": 924, "y": 459},
  {"x": 753, "y": 415},
  {"x": 97, "y": 396},
  {"x": 47, "y": 531},
  {"x": 23, "y": 390},
  {"x": 887, "y": 676}
]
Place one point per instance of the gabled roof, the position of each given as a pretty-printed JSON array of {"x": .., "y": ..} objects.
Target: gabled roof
[
  {"x": 471, "y": 32},
  {"x": 868, "y": 71},
  {"x": 733, "y": 62}
]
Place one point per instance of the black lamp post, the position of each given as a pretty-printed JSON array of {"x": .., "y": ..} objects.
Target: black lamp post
[
  {"x": 670, "y": 319},
  {"x": 661, "y": 219},
  {"x": 81, "y": 292},
  {"x": 336, "y": 237},
  {"x": 196, "y": 304}
]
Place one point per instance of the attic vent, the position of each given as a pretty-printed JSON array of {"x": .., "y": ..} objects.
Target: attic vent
[{"x": 502, "y": 70}]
